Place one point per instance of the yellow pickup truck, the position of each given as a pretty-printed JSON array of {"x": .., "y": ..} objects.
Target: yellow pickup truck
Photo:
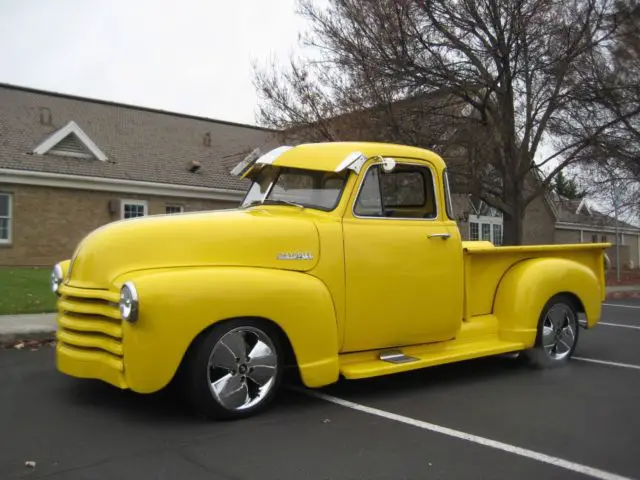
[{"x": 343, "y": 260}]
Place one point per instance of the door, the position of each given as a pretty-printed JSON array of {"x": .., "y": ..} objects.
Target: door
[{"x": 403, "y": 261}]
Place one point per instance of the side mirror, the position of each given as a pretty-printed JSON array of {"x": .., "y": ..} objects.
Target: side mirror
[{"x": 388, "y": 164}]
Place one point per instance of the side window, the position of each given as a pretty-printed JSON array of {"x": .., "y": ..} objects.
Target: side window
[
  {"x": 404, "y": 189},
  {"x": 369, "y": 203},
  {"x": 406, "y": 192}
]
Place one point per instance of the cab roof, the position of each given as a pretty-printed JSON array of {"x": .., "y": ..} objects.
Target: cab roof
[{"x": 333, "y": 156}]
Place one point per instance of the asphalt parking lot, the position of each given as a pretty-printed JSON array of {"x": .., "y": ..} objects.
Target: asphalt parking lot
[{"x": 485, "y": 419}]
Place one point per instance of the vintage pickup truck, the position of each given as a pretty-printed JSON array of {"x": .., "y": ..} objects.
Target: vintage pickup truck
[{"x": 344, "y": 260}]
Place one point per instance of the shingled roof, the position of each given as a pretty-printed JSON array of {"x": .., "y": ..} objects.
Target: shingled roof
[
  {"x": 579, "y": 212},
  {"x": 139, "y": 143}
]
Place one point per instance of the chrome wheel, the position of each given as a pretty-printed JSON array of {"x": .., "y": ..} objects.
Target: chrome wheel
[
  {"x": 242, "y": 368},
  {"x": 559, "y": 331}
]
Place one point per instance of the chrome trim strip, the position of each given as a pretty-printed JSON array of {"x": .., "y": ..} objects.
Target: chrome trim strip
[
  {"x": 270, "y": 188},
  {"x": 399, "y": 163},
  {"x": 271, "y": 156},
  {"x": 354, "y": 161},
  {"x": 447, "y": 193},
  {"x": 396, "y": 356}
]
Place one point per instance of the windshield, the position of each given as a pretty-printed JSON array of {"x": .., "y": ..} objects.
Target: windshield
[{"x": 304, "y": 188}]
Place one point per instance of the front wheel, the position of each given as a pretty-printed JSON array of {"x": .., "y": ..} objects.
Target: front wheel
[
  {"x": 234, "y": 370},
  {"x": 557, "y": 335}
]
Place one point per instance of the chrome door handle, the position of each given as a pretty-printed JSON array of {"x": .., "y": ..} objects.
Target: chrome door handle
[{"x": 443, "y": 236}]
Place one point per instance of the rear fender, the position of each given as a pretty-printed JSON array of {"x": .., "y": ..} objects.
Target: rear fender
[
  {"x": 527, "y": 287},
  {"x": 176, "y": 305}
]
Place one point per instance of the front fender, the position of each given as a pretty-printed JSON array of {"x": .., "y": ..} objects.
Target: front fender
[
  {"x": 528, "y": 285},
  {"x": 176, "y": 305}
]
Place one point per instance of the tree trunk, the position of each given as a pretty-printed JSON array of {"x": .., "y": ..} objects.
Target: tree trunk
[
  {"x": 513, "y": 229},
  {"x": 513, "y": 224}
]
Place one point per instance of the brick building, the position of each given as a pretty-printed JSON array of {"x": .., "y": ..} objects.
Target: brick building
[{"x": 69, "y": 165}]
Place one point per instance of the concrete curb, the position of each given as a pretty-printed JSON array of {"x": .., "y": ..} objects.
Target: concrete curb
[
  {"x": 622, "y": 295},
  {"x": 29, "y": 328}
]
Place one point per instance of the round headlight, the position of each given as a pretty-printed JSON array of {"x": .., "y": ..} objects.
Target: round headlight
[
  {"x": 56, "y": 278},
  {"x": 129, "y": 302}
]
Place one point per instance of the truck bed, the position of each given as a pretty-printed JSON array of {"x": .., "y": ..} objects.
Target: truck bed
[{"x": 486, "y": 264}]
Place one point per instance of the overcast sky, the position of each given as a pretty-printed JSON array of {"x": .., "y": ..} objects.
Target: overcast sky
[{"x": 189, "y": 56}]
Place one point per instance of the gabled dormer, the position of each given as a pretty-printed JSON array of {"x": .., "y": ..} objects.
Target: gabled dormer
[
  {"x": 583, "y": 208},
  {"x": 70, "y": 141}
]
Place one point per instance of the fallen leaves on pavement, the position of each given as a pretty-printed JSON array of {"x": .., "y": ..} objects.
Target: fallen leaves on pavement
[{"x": 33, "y": 345}]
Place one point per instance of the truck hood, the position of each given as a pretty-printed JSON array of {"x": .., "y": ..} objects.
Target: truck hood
[{"x": 244, "y": 238}]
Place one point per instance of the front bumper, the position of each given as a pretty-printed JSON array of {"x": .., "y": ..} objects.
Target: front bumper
[
  {"x": 90, "y": 341},
  {"x": 94, "y": 365}
]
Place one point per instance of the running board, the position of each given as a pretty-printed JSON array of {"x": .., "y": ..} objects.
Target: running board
[{"x": 388, "y": 361}]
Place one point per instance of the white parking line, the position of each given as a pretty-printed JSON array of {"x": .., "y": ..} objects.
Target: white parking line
[
  {"x": 620, "y": 305},
  {"x": 605, "y": 362},
  {"x": 541, "y": 457},
  {"x": 635, "y": 327}
]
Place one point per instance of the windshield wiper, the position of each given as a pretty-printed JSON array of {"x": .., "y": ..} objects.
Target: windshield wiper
[{"x": 274, "y": 202}]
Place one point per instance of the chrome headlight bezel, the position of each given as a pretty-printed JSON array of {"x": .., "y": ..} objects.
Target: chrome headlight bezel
[
  {"x": 129, "y": 302},
  {"x": 56, "y": 278}
]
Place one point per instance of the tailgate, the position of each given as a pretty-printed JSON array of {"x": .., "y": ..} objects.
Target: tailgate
[{"x": 485, "y": 265}]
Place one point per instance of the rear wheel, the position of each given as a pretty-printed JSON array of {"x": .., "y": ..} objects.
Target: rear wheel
[
  {"x": 557, "y": 336},
  {"x": 234, "y": 370}
]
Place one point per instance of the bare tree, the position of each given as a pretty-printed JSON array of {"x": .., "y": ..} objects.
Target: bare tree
[
  {"x": 493, "y": 78},
  {"x": 611, "y": 158}
]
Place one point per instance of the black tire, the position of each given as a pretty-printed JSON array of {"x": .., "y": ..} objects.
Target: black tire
[
  {"x": 198, "y": 378},
  {"x": 541, "y": 356}
]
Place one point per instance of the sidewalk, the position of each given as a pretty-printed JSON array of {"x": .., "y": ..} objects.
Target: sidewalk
[{"x": 17, "y": 328}]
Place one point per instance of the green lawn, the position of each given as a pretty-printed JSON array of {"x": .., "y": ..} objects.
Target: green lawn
[{"x": 25, "y": 290}]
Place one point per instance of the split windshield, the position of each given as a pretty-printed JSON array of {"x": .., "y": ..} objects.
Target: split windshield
[{"x": 291, "y": 186}]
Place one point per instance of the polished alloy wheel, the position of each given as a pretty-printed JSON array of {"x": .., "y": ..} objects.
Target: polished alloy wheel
[
  {"x": 559, "y": 329},
  {"x": 242, "y": 368}
]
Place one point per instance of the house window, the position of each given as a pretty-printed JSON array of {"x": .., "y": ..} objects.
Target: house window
[
  {"x": 497, "y": 234},
  {"x": 5, "y": 218},
  {"x": 169, "y": 209},
  {"x": 486, "y": 231},
  {"x": 134, "y": 208},
  {"x": 474, "y": 231},
  {"x": 486, "y": 228},
  {"x": 594, "y": 238}
]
